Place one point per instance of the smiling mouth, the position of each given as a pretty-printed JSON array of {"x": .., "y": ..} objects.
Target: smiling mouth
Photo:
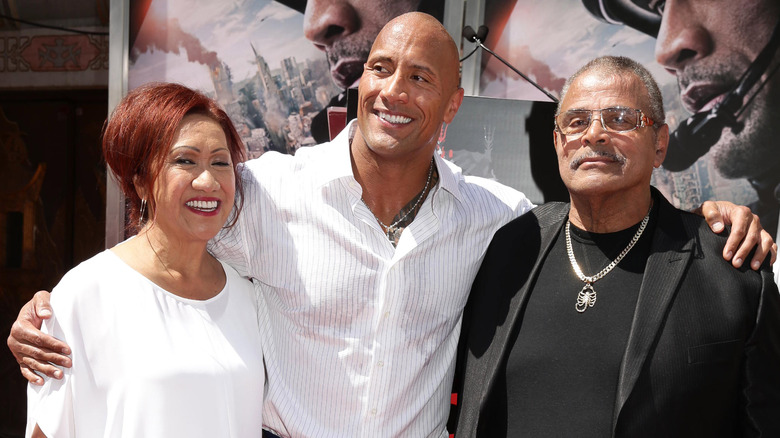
[
  {"x": 394, "y": 119},
  {"x": 204, "y": 206}
]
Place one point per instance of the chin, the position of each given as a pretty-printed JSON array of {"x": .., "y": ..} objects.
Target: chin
[
  {"x": 747, "y": 154},
  {"x": 752, "y": 152}
]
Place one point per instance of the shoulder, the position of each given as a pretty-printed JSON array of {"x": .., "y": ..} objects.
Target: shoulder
[
  {"x": 277, "y": 163},
  {"x": 546, "y": 215},
  {"x": 88, "y": 276},
  {"x": 677, "y": 229},
  {"x": 89, "y": 291},
  {"x": 486, "y": 193}
]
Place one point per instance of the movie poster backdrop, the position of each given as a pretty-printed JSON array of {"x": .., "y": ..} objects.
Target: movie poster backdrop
[
  {"x": 252, "y": 56},
  {"x": 708, "y": 44}
]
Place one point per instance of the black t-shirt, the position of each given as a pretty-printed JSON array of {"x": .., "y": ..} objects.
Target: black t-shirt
[{"x": 562, "y": 371}]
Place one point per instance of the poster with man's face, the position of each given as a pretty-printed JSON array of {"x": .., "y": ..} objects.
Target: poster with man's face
[
  {"x": 699, "y": 52},
  {"x": 250, "y": 55},
  {"x": 274, "y": 66}
]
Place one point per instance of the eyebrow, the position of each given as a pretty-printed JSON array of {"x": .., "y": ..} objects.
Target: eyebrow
[
  {"x": 196, "y": 149},
  {"x": 421, "y": 67}
]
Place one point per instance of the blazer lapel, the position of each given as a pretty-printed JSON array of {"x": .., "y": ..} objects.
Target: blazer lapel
[
  {"x": 550, "y": 218},
  {"x": 670, "y": 254}
]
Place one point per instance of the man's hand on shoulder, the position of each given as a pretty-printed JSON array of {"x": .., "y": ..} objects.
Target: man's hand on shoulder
[
  {"x": 746, "y": 232},
  {"x": 34, "y": 350}
]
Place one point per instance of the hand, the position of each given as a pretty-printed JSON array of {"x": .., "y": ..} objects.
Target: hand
[
  {"x": 746, "y": 233},
  {"x": 33, "y": 349}
]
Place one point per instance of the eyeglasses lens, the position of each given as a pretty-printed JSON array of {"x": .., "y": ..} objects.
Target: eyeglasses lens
[{"x": 612, "y": 119}]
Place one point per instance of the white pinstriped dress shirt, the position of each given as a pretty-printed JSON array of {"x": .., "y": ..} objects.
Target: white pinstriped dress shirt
[{"x": 360, "y": 337}]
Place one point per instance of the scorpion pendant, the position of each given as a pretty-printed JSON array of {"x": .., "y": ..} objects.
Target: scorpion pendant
[{"x": 586, "y": 298}]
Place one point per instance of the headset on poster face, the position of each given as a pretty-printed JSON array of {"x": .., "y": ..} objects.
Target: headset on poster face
[{"x": 697, "y": 134}]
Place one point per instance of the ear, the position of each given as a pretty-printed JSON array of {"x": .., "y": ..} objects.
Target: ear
[
  {"x": 557, "y": 140},
  {"x": 661, "y": 145},
  {"x": 453, "y": 105},
  {"x": 140, "y": 191}
]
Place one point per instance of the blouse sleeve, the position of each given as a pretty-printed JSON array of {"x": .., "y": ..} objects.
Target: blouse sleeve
[{"x": 51, "y": 405}]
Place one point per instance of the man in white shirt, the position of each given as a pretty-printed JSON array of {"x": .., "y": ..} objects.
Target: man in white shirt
[{"x": 364, "y": 250}]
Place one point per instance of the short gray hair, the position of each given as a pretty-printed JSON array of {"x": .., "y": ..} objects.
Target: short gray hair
[{"x": 619, "y": 66}]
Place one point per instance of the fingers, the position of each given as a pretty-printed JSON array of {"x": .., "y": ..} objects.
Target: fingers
[
  {"x": 712, "y": 215},
  {"x": 31, "y": 376},
  {"x": 42, "y": 304},
  {"x": 766, "y": 246},
  {"x": 746, "y": 233},
  {"x": 35, "y": 351},
  {"x": 27, "y": 340},
  {"x": 41, "y": 368},
  {"x": 742, "y": 241}
]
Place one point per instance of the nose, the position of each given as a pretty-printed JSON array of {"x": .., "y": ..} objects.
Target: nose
[
  {"x": 682, "y": 39},
  {"x": 595, "y": 132},
  {"x": 206, "y": 182},
  {"x": 394, "y": 89},
  {"x": 326, "y": 21}
]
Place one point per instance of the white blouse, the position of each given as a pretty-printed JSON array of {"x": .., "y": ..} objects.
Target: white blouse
[{"x": 148, "y": 363}]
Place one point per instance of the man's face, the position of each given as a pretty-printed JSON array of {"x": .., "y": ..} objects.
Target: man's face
[
  {"x": 708, "y": 45},
  {"x": 598, "y": 162},
  {"x": 345, "y": 30},
  {"x": 409, "y": 86}
]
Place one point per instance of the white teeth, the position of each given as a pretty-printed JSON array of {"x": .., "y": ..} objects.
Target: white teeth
[
  {"x": 394, "y": 119},
  {"x": 203, "y": 205}
]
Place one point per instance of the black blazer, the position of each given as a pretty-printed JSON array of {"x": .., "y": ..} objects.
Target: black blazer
[{"x": 703, "y": 354}]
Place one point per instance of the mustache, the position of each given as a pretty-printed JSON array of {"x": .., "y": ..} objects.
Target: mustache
[
  {"x": 720, "y": 73},
  {"x": 575, "y": 163},
  {"x": 357, "y": 48}
]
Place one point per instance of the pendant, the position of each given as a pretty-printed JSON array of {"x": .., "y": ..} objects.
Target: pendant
[
  {"x": 586, "y": 298},
  {"x": 394, "y": 234}
]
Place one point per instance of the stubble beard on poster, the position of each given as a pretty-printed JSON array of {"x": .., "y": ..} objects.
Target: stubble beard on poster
[{"x": 696, "y": 135}]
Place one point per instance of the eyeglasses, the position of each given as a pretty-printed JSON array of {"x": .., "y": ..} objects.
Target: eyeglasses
[{"x": 615, "y": 119}]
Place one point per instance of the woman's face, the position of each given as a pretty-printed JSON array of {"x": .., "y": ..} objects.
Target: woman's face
[{"x": 195, "y": 190}]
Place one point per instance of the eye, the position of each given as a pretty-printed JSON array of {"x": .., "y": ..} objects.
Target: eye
[
  {"x": 617, "y": 118},
  {"x": 222, "y": 163},
  {"x": 419, "y": 78},
  {"x": 577, "y": 120},
  {"x": 378, "y": 68},
  {"x": 183, "y": 161}
]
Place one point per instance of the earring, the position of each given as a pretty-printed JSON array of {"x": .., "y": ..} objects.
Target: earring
[{"x": 141, "y": 215}]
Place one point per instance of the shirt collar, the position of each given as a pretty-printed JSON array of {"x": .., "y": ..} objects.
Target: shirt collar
[
  {"x": 450, "y": 175},
  {"x": 340, "y": 164}
]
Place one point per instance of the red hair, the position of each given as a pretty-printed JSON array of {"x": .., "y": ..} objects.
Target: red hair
[{"x": 138, "y": 136}]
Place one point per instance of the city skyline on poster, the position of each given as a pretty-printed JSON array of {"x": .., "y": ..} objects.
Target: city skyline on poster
[{"x": 271, "y": 81}]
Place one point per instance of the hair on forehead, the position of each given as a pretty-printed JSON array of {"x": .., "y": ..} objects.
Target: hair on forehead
[{"x": 621, "y": 67}]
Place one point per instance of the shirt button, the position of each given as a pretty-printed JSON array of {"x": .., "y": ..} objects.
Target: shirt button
[
  {"x": 373, "y": 411},
  {"x": 380, "y": 364}
]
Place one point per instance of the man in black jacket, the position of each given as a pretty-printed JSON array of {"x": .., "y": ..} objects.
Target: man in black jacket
[{"x": 615, "y": 315}]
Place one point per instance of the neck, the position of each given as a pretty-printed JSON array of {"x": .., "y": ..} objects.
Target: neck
[
  {"x": 173, "y": 255},
  {"x": 183, "y": 268},
  {"x": 389, "y": 183},
  {"x": 608, "y": 214}
]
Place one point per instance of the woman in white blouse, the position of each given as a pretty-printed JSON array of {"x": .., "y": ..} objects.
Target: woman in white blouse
[{"x": 164, "y": 337}]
